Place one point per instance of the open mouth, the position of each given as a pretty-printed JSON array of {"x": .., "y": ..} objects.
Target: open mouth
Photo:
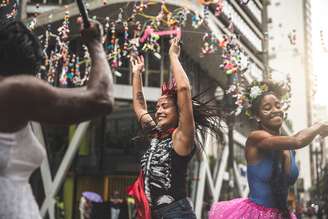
[{"x": 279, "y": 115}]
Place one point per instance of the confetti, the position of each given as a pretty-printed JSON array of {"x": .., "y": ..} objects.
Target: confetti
[
  {"x": 323, "y": 43},
  {"x": 292, "y": 37}
]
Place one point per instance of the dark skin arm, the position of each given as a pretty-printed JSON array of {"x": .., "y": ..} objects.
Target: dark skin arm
[
  {"x": 25, "y": 98},
  {"x": 260, "y": 141}
]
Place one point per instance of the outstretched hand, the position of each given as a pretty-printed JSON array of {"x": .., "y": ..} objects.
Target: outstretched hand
[
  {"x": 175, "y": 47},
  {"x": 324, "y": 129},
  {"x": 138, "y": 64}
]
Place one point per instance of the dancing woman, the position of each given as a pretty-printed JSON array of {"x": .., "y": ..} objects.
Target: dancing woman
[
  {"x": 25, "y": 98},
  {"x": 160, "y": 189},
  {"x": 271, "y": 165}
]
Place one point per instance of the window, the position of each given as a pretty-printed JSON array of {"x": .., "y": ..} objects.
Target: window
[
  {"x": 255, "y": 10},
  {"x": 153, "y": 71},
  {"x": 122, "y": 75},
  {"x": 120, "y": 128},
  {"x": 255, "y": 72},
  {"x": 238, "y": 21}
]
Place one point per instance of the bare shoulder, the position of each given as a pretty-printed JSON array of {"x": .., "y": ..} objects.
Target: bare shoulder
[
  {"x": 21, "y": 86},
  {"x": 20, "y": 83},
  {"x": 20, "y": 93},
  {"x": 257, "y": 136},
  {"x": 16, "y": 93},
  {"x": 252, "y": 152}
]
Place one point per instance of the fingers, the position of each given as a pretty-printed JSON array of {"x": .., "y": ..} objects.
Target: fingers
[
  {"x": 140, "y": 59},
  {"x": 79, "y": 21},
  {"x": 94, "y": 32},
  {"x": 132, "y": 61},
  {"x": 137, "y": 60},
  {"x": 175, "y": 42},
  {"x": 172, "y": 41}
]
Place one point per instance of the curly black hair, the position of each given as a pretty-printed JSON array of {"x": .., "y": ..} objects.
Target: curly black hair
[
  {"x": 272, "y": 87},
  {"x": 20, "y": 50},
  {"x": 279, "y": 184}
]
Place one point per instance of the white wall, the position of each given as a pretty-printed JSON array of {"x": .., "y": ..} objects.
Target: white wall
[
  {"x": 286, "y": 16},
  {"x": 321, "y": 114}
]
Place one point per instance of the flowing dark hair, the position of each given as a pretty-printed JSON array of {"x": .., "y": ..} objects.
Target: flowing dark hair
[
  {"x": 207, "y": 116},
  {"x": 279, "y": 183}
]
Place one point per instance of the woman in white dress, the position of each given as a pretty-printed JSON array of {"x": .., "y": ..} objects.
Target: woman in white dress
[{"x": 25, "y": 98}]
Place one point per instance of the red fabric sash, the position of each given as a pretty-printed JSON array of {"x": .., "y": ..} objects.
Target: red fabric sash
[
  {"x": 161, "y": 135},
  {"x": 137, "y": 191}
]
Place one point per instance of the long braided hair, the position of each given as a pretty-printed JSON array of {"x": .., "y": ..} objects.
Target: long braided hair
[{"x": 279, "y": 183}]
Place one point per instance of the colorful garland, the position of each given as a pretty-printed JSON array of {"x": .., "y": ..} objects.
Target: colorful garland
[{"x": 73, "y": 68}]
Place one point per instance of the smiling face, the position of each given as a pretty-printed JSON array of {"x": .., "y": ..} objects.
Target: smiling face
[
  {"x": 270, "y": 112},
  {"x": 166, "y": 115}
]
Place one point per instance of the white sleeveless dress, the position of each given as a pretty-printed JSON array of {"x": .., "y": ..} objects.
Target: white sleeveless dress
[{"x": 20, "y": 154}]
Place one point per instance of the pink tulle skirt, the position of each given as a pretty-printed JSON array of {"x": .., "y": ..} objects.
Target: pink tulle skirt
[{"x": 243, "y": 208}]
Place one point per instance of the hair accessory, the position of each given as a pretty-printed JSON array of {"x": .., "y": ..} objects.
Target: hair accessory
[{"x": 250, "y": 93}]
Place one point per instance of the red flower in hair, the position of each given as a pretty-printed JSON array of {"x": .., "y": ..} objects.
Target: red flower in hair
[{"x": 169, "y": 88}]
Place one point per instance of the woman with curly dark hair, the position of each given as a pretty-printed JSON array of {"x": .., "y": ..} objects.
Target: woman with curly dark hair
[
  {"x": 25, "y": 98},
  {"x": 270, "y": 156},
  {"x": 160, "y": 190}
]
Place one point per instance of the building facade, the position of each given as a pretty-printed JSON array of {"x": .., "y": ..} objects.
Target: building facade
[{"x": 290, "y": 53}]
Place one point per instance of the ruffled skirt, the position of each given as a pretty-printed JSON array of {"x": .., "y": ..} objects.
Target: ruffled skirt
[{"x": 243, "y": 208}]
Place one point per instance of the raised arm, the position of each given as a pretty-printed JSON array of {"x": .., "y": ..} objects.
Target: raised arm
[
  {"x": 183, "y": 137},
  {"x": 264, "y": 140},
  {"x": 27, "y": 98},
  {"x": 139, "y": 102}
]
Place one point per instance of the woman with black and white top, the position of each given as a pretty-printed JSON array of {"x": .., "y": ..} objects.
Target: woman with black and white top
[{"x": 160, "y": 189}]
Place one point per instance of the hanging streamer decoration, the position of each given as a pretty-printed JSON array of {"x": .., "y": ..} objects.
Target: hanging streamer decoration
[
  {"x": 125, "y": 35},
  {"x": 8, "y": 9},
  {"x": 323, "y": 42},
  {"x": 219, "y": 8},
  {"x": 292, "y": 37},
  {"x": 32, "y": 24},
  {"x": 4, "y": 3},
  {"x": 209, "y": 44},
  {"x": 235, "y": 61}
]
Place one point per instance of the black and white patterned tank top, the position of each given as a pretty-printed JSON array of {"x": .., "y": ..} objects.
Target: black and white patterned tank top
[{"x": 164, "y": 173}]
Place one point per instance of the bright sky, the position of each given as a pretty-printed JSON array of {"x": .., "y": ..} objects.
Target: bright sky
[{"x": 320, "y": 58}]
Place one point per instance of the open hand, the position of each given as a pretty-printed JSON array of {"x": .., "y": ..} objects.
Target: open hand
[
  {"x": 138, "y": 64},
  {"x": 175, "y": 47},
  {"x": 324, "y": 129}
]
